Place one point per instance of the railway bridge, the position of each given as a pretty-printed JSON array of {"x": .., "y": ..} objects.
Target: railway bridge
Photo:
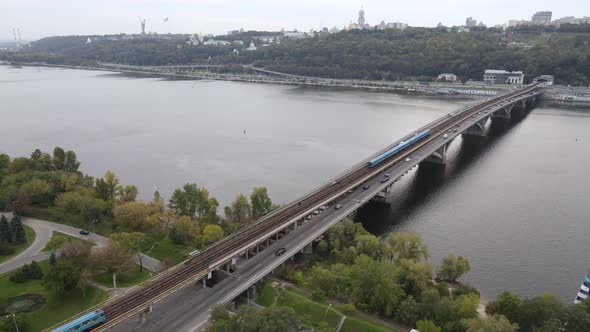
[{"x": 233, "y": 265}]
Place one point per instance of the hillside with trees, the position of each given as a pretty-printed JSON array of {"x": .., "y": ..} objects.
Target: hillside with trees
[{"x": 415, "y": 53}]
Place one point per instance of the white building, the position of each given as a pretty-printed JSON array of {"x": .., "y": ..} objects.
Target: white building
[
  {"x": 294, "y": 34},
  {"x": 542, "y": 18},
  {"x": 397, "y": 25},
  {"x": 252, "y": 47},
  {"x": 213, "y": 42},
  {"x": 470, "y": 22},
  {"x": 447, "y": 77},
  {"x": 494, "y": 76}
]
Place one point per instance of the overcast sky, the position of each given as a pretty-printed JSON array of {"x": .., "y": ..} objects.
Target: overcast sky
[{"x": 41, "y": 18}]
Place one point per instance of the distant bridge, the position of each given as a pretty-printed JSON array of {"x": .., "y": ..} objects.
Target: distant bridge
[{"x": 239, "y": 261}]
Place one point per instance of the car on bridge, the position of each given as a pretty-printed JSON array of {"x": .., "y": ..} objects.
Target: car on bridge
[
  {"x": 384, "y": 180},
  {"x": 366, "y": 186},
  {"x": 338, "y": 206},
  {"x": 280, "y": 251}
]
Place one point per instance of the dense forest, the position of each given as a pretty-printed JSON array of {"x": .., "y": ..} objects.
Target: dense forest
[{"x": 415, "y": 53}]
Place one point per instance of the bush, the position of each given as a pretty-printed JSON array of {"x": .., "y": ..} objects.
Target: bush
[
  {"x": 27, "y": 272},
  {"x": 443, "y": 289},
  {"x": 464, "y": 289},
  {"x": 349, "y": 309},
  {"x": 318, "y": 295},
  {"x": 5, "y": 250}
]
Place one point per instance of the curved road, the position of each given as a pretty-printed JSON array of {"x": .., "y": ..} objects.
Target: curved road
[{"x": 43, "y": 231}]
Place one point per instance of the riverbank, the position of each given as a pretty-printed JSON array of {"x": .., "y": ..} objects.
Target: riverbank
[{"x": 456, "y": 90}]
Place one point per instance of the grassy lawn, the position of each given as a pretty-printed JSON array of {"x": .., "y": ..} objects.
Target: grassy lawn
[
  {"x": 312, "y": 313},
  {"x": 135, "y": 278},
  {"x": 167, "y": 248},
  {"x": 58, "y": 240},
  {"x": 18, "y": 248},
  {"x": 55, "y": 309}
]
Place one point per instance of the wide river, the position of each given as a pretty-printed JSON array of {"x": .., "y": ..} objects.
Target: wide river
[{"x": 516, "y": 203}]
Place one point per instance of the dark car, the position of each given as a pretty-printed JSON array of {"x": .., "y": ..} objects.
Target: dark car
[
  {"x": 280, "y": 251},
  {"x": 384, "y": 180},
  {"x": 83, "y": 232},
  {"x": 366, "y": 186},
  {"x": 338, "y": 206}
]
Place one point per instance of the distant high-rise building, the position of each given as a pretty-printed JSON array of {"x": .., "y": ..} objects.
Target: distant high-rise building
[
  {"x": 470, "y": 22},
  {"x": 542, "y": 18},
  {"x": 361, "y": 20},
  {"x": 142, "y": 22}
]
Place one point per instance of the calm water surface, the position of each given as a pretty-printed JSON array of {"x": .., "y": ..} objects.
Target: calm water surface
[{"x": 515, "y": 203}]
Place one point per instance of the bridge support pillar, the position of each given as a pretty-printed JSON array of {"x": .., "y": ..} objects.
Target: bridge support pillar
[
  {"x": 478, "y": 129},
  {"x": 383, "y": 196},
  {"x": 503, "y": 113},
  {"x": 440, "y": 155}
]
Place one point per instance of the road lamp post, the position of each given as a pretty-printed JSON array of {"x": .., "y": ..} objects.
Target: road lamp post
[{"x": 114, "y": 280}]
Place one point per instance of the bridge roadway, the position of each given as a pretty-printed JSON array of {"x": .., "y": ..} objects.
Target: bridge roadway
[{"x": 225, "y": 251}]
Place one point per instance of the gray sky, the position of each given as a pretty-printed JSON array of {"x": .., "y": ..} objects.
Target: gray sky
[{"x": 41, "y": 18}]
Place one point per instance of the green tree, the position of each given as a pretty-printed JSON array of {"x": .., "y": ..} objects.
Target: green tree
[
  {"x": 35, "y": 191},
  {"x": 453, "y": 267},
  {"x": 507, "y": 304},
  {"x": 128, "y": 193},
  {"x": 17, "y": 229},
  {"x": 406, "y": 246},
  {"x": 5, "y": 233},
  {"x": 135, "y": 242},
  {"x": 261, "y": 202},
  {"x": 212, "y": 233},
  {"x": 408, "y": 311},
  {"x": 495, "y": 323},
  {"x": 370, "y": 245},
  {"x": 59, "y": 158},
  {"x": 113, "y": 259},
  {"x": 52, "y": 258},
  {"x": 107, "y": 188},
  {"x": 239, "y": 212},
  {"x": 135, "y": 215},
  {"x": 375, "y": 284},
  {"x": 427, "y": 326},
  {"x": 414, "y": 276},
  {"x": 184, "y": 231},
  {"x": 62, "y": 277},
  {"x": 191, "y": 201},
  {"x": 70, "y": 162},
  {"x": 36, "y": 154}
]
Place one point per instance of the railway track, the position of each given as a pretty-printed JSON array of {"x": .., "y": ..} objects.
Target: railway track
[{"x": 127, "y": 304}]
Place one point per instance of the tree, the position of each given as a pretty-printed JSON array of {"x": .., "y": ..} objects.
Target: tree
[
  {"x": 107, "y": 188},
  {"x": 414, "y": 276},
  {"x": 212, "y": 233},
  {"x": 76, "y": 252},
  {"x": 34, "y": 191},
  {"x": 261, "y": 203},
  {"x": 190, "y": 200},
  {"x": 52, "y": 258},
  {"x": 507, "y": 304},
  {"x": 62, "y": 277},
  {"x": 113, "y": 259},
  {"x": 83, "y": 281},
  {"x": 18, "y": 229},
  {"x": 239, "y": 212},
  {"x": 59, "y": 158},
  {"x": 5, "y": 233},
  {"x": 495, "y": 323},
  {"x": 128, "y": 194},
  {"x": 135, "y": 215},
  {"x": 249, "y": 319},
  {"x": 427, "y": 326},
  {"x": 70, "y": 162},
  {"x": 406, "y": 246},
  {"x": 374, "y": 284},
  {"x": 408, "y": 311},
  {"x": 371, "y": 246},
  {"x": 453, "y": 267},
  {"x": 36, "y": 154},
  {"x": 184, "y": 231},
  {"x": 135, "y": 242}
]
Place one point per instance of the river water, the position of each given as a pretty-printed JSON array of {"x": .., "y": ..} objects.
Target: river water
[{"x": 515, "y": 203}]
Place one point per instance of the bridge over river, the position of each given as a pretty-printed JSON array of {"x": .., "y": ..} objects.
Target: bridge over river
[{"x": 232, "y": 266}]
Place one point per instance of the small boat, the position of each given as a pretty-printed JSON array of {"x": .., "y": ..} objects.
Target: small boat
[{"x": 584, "y": 290}]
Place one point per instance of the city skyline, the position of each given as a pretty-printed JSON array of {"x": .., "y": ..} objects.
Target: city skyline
[{"x": 37, "y": 19}]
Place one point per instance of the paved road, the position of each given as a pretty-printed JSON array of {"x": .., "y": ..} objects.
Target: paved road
[{"x": 43, "y": 231}]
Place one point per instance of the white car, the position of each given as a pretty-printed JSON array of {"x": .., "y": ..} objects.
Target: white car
[
  {"x": 445, "y": 136},
  {"x": 408, "y": 159}
]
